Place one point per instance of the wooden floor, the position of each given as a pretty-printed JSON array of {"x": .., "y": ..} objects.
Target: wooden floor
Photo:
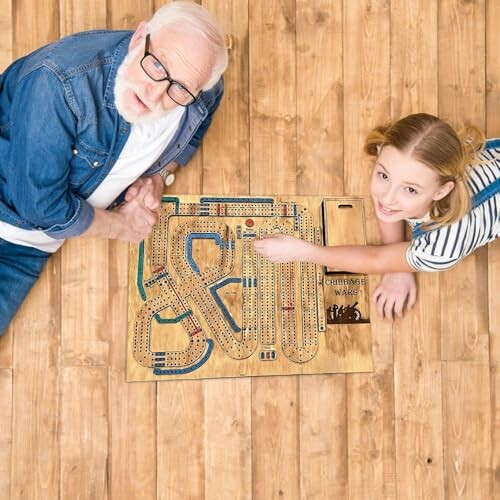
[{"x": 307, "y": 80}]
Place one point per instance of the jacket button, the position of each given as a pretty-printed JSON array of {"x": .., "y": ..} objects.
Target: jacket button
[
  {"x": 95, "y": 164},
  {"x": 75, "y": 151}
]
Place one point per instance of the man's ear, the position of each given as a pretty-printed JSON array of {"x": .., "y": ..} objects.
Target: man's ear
[
  {"x": 443, "y": 190},
  {"x": 138, "y": 36}
]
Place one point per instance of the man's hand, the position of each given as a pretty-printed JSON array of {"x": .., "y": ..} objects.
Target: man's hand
[
  {"x": 134, "y": 219},
  {"x": 283, "y": 248},
  {"x": 393, "y": 291},
  {"x": 137, "y": 220},
  {"x": 149, "y": 189}
]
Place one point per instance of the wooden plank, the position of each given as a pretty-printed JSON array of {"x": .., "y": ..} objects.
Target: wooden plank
[
  {"x": 370, "y": 435},
  {"x": 492, "y": 69},
  {"x": 462, "y": 99},
  {"x": 226, "y": 146},
  {"x": 495, "y": 427},
  {"x": 272, "y": 97},
  {"x": 36, "y": 374},
  {"x": 366, "y": 46},
  {"x": 35, "y": 23},
  {"x": 5, "y": 33},
  {"x": 319, "y": 97},
  {"x": 275, "y": 420},
  {"x": 367, "y": 88},
  {"x": 370, "y": 399},
  {"x": 180, "y": 446},
  {"x": 467, "y": 425},
  {"x": 180, "y": 443},
  {"x": 127, "y": 14},
  {"x": 82, "y": 16},
  {"x": 417, "y": 366},
  {"x": 84, "y": 432},
  {"x": 5, "y": 431},
  {"x": 494, "y": 309},
  {"x": 35, "y": 412},
  {"x": 275, "y": 446},
  {"x": 466, "y": 387},
  {"x": 227, "y": 403},
  {"x": 228, "y": 441},
  {"x": 6, "y": 348},
  {"x": 132, "y": 407},
  {"x": 414, "y": 76},
  {"x": 323, "y": 437},
  {"x": 493, "y": 130},
  {"x": 418, "y": 389},
  {"x": 84, "y": 307}
]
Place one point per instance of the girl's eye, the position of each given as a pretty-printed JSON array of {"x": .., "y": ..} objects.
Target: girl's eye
[
  {"x": 383, "y": 176},
  {"x": 412, "y": 190}
]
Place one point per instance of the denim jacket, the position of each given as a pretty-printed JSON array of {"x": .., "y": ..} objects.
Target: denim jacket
[{"x": 60, "y": 133}]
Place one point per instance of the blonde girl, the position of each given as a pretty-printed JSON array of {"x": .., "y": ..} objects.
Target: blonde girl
[{"x": 444, "y": 185}]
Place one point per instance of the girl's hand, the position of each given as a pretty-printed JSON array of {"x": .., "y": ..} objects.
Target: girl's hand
[
  {"x": 282, "y": 248},
  {"x": 394, "y": 290}
]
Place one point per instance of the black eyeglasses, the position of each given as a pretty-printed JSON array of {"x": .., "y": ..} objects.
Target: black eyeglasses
[{"x": 157, "y": 72}]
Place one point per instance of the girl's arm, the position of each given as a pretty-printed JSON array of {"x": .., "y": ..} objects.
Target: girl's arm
[
  {"x": 391, "y": 232},
  {"x": 371, "y": 259}
]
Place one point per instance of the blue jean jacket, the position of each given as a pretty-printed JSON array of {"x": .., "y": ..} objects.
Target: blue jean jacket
[{"x": 60, "y": 133}]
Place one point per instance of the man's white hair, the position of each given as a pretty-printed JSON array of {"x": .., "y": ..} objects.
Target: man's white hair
[{"x": 194, "y": 19}]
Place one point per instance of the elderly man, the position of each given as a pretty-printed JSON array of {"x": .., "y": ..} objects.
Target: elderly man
[{"x": 84, "y": 118}]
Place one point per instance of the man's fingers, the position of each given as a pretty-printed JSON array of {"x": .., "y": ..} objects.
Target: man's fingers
[
  {"x": 131, "y": 192},
  {"x": 151, "y": 201}
]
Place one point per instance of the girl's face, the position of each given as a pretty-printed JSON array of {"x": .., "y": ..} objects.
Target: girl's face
[{"x": 403, "y": 188}]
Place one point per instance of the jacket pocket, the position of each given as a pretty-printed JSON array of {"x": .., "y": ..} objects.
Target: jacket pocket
[{"x": 85, "y": 164}]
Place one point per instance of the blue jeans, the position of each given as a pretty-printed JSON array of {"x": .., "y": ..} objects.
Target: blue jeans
[{"x": 20, "y": 267}]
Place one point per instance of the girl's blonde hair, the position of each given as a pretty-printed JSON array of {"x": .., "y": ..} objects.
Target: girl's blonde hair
[{"x": 434, "y": 143}]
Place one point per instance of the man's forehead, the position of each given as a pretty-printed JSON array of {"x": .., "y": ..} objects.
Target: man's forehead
[
  {"x": 183, "y": 53},
  {"x": 173, "y": 37}
]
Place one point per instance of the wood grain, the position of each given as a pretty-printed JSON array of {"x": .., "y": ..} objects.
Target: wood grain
[
  {"x": 5, "y": 431},
  {"x": 306, "y": 82}
]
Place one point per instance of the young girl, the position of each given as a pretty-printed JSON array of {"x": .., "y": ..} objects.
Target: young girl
[{"x": 444, "y": 185}]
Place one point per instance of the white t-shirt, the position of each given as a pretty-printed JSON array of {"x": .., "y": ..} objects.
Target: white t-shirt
[
  {"x": 143, "y": 147},
  {"x": 443, "y": 247}
]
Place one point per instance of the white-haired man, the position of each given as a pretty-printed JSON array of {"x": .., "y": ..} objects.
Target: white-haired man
[{"x": 90, "y": 117}]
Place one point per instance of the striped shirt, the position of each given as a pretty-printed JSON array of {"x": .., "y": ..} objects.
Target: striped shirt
[{"x": 445, "y": 246}]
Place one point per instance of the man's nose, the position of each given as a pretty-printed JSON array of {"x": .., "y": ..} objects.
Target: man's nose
[{"x": 157, "y": 90}]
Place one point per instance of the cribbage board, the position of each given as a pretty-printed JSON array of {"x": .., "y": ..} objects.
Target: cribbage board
[{"x": 204, "y": 304}]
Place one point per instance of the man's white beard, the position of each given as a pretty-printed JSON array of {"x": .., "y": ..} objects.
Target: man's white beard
[{"x": 122, "y": 84}]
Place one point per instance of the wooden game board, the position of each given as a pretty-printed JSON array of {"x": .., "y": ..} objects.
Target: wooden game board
[{"x": 203, "y": 304}]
